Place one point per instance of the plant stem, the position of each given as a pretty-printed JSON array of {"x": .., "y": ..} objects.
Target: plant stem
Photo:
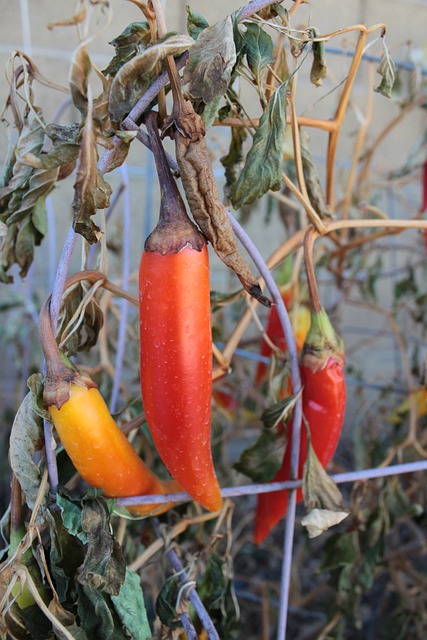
[{"x": 309, "y": 239}]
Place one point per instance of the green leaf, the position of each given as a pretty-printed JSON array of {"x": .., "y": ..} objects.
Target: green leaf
[
  {"x": 130, "y": 607},
  {"x": 165, "y": 603},
  {"x": 213, "y": 587},
  {"x": 133, "y": 40},
  {"x": 263, "y": 166},
  {"x": 387, "y": 71},
  {"x": 211, "y": 61},
  {"x": 104, "y": 567},
  {"x": 66, "y": 554},
  {"x": 196, "y": 23},
  {"x": 134, "y": 77},
  {"x": 259, "y": 49},
  {"x": 71, "y": 514},
  {"x": 27, "y": 430},
  {"x": 234, "y": 157},
  {"x": 406, "y": 287},
  {"x": 97, "y": 615},
  {"x": 340, "y": 551},
  {"x": 262, "y": 461}
]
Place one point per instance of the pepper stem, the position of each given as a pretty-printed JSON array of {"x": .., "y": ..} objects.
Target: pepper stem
[
  {"x": 174, "y": 230},
  {"x": 59, "y": 375}
]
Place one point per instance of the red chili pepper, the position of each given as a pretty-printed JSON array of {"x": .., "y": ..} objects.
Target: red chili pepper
[
  {"x": 323, "y": 405},
  {"x": 274, "y": 331},
  {"x": 176, "y": 341}
]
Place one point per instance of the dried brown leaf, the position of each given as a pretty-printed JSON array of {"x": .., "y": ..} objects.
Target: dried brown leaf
[
  {"x": 79, "y": 73},
  {"x": 204, "y": 201},
  {"x": 90, "y": 189},
  {"x": 78, "y": 18},
  {"x": 322, "y": 498}
]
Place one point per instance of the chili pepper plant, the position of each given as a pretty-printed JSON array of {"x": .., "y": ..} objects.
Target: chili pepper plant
[{"x": 212, "y": 265}]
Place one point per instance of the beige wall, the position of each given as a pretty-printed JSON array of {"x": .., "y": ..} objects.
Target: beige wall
[{"x": 23, "y": 25}]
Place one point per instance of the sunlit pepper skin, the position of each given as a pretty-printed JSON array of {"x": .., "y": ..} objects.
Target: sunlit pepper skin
[
  {"x": 102, "y": 454},
  {"x": 176, "y": 366}
]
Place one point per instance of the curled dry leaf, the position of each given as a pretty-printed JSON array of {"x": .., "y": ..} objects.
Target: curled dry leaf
[
  {"x": 79, "y": 73},
  {"x": 312, "y": 180},
  {"x": 318, "y": 68},
  {"x": 133, "y": 78},
  {"x": 211, "y": 61},
  {"x": 76, "y": 19},
  {"x": 133, "y": 40},
  {"x": 27, "y": 429},
  {"x": 319, "y": 520},
  {"x": 322, "y": 498},
  {"x": 203, "y": 197},
  {"x": 91, "y": 192}
]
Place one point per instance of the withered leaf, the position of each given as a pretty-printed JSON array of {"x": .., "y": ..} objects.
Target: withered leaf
[
  {"x": 79, "y": 73},
  {"x": 318, "y": 68},
  {"x": 133, "y": 40},
  {"x": 322, "y": 498},
  {"x": 63, "y": 132},
  {"x": 134, "y": 77},
  {"x": 27, "y": 429},
  {"x": 39, "y": 185},
  {"x": 211, "y": 61},
  {"x": 259, "y": 49},
  {"x": 234, "y": 157},
  {"x": 196, "y": 23},
  {"x": 59, "y": 155},
  {"x": 262, "y": 460},
  {"x": 387, "y": 71},
  {"x": 203, "y": 198},
  {"x": 86, "y": 184},
  {"x": 70, "y": 22},
  {"x": 312, "y": 181},
  {"x": 263, "y": 165},
  {"x": 104, "y": 568},
  {"x": 85, "y": 336},
  {"x": 30, "y": 140}
]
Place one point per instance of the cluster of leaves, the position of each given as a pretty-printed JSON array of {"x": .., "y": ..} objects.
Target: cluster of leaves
[{"x": 43, "y": 154}]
